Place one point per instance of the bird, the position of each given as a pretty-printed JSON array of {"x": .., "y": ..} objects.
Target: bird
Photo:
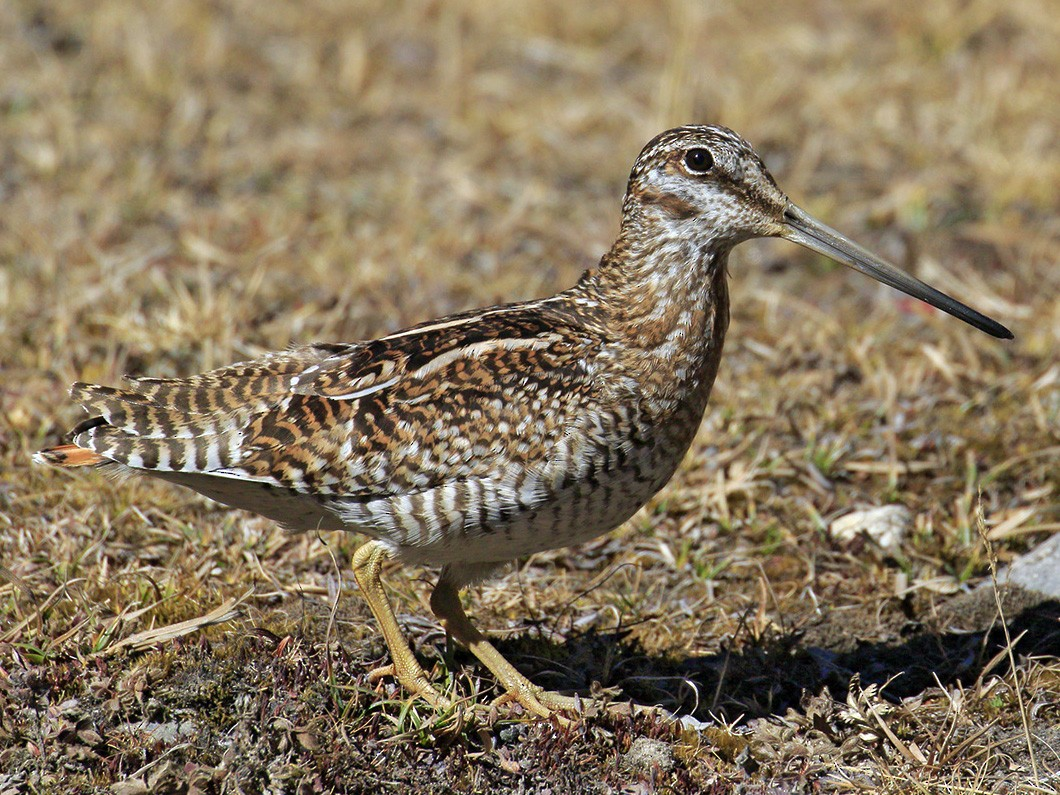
[{"x": 481, "y": 437}]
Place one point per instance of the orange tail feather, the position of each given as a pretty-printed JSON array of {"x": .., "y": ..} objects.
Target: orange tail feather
[{"x": 68, "y": 455}]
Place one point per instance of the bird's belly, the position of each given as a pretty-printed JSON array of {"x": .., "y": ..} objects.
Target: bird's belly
[
  {"x": 497, "y": 520},
  {"x": 578, "y": 514},
  {"x": 570, "y": 519}
]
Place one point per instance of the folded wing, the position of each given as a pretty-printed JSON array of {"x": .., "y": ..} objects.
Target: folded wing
[{"x": 375, "y": 435}]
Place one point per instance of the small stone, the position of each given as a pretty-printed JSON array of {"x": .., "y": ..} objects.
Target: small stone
[
  {"x": 648, "y": 756},
  {"x": 886, "y": 526},
  {"x": 71, "y": 706},
  {"x": 1037, "y": 570},
  {"x": 130, "y": 786},
  {"x": 168, "y": 733},
  {"x": 512, "y": 733}
]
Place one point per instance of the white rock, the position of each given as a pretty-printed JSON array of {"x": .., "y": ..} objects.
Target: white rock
[
  {"x": 886, "y": 526},
  {"x": 1037, "y": 570},
  {"x": 648, "y": 756}
]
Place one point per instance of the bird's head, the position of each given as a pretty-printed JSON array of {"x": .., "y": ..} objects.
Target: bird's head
[{"x": 707, "y": 185}]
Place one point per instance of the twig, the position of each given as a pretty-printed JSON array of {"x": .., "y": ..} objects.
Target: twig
[{"x": 991, "y": 556}]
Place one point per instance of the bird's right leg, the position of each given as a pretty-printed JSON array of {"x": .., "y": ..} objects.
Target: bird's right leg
[
  {"x": 445, "y": 602},
  {"x": 367, "y": 566}
]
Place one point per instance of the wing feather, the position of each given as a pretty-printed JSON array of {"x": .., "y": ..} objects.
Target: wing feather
[{"x": 363, "y": 422}]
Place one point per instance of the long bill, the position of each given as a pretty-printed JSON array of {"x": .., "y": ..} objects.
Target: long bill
[{"x": 802, "y": 228}]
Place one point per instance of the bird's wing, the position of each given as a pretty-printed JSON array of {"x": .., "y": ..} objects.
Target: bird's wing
[
  {"x": 448, "y": 400},
  {"x": 458, "y": 398}
]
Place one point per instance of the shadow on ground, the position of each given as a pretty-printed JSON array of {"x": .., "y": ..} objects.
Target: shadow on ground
[
  {"x": 769, "y": 675},
  {"x": 247, "y": 710}
]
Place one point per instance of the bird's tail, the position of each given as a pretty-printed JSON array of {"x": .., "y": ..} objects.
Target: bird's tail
[{"x": 68, "y": 455}]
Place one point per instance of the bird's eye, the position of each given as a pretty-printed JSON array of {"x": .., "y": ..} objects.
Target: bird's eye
[{"x": 699, "y": 160}]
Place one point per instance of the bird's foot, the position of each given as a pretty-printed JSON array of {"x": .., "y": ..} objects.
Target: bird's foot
[
  {"x": 382, "y": 672},
  {"x": 542, "y": 703},
  {"x": 549, "y": 704},
  {"x": 414, "y": 682}
]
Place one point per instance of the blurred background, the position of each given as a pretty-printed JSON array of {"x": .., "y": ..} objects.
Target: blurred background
[
  {"x": 407, "y": 159},
  {"x": 186, "y": 184}
]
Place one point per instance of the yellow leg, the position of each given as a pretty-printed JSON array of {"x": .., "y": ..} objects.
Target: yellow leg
[
  {"x": 367, "y": 566},
  {"x": 445, "y": 602}
]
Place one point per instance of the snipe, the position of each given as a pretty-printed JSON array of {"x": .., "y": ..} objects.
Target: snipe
[{"x": 471, "y": 440}]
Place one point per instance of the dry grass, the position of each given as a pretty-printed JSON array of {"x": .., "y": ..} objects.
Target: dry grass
[{"x": 186, "y": 184}]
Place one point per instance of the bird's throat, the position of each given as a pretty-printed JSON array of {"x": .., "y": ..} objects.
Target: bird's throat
[{"x": 664, "y": 301}]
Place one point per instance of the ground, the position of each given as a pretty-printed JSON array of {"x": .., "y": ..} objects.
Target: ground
[{"x": 186, "y": 184}]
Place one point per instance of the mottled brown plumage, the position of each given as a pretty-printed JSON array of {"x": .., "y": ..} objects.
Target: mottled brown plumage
[{"x": 471, "y": 440}]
